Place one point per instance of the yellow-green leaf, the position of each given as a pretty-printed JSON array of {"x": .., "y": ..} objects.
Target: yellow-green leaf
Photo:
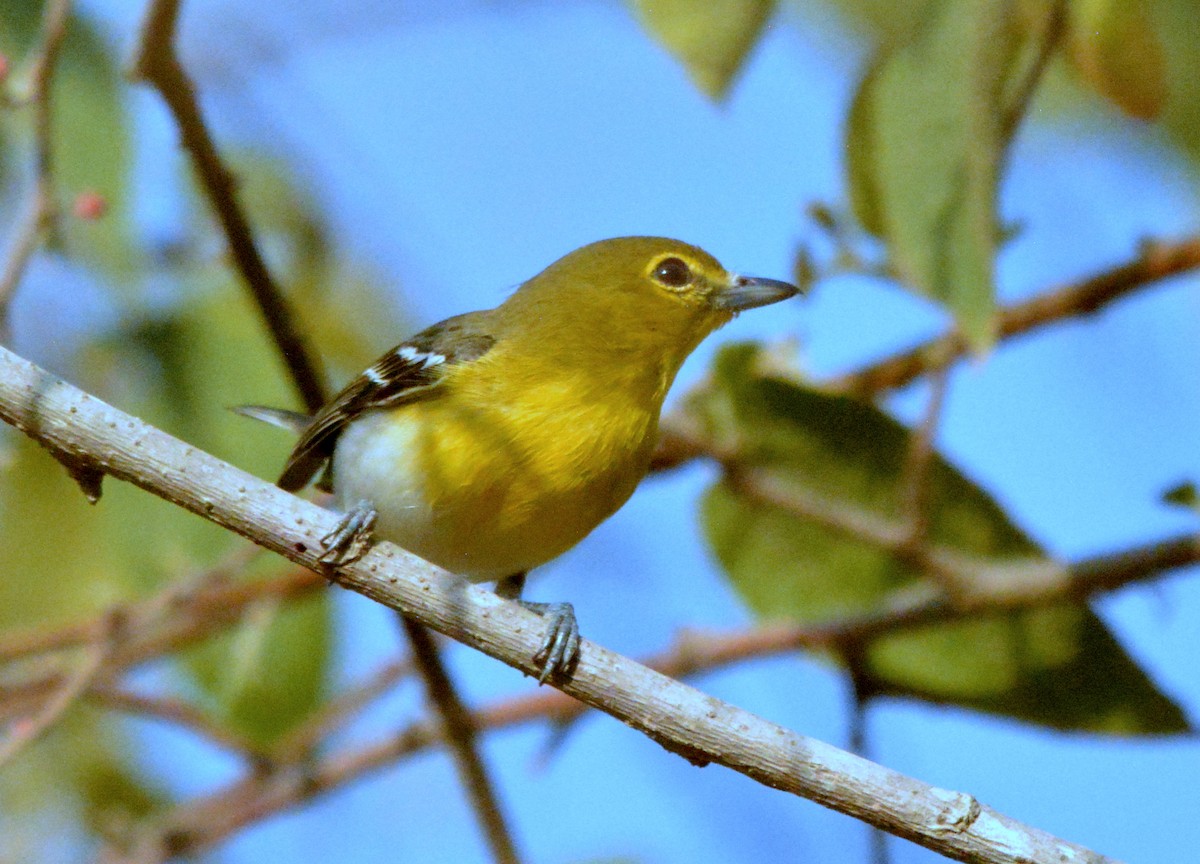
[
  {"x": 926, "y": 133},
  {"x": 711, "y": 39},
  {"x": 1116, "y": 51},
  {"x": 835, "y": 467}
]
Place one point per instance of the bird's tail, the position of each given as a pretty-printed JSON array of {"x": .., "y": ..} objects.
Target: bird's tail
[{"x": 281, "y": 417}]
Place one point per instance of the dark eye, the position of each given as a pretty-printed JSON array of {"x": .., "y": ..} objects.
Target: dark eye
[{"x": 672, "y": 272}]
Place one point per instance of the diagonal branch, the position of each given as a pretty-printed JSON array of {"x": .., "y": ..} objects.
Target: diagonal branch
[
  {"x": 680, "y": 718},
  {"x": 1156, "y": 261},
  {"x": 157, "y": 63}
]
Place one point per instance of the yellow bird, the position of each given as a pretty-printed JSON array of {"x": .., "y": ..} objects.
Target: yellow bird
[{"x": 496, "y": 440}]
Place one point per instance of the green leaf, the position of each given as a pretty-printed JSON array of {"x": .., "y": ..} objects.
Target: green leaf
[
  {"x": 710, "y": 39},
  {"x": 90, "y": 140},
  {"x": 1183, "y": 495},
  {"x": 926, "y": 134},
  {"x": 1116, "y": 51},
  {"x": 833, "y": 467}
]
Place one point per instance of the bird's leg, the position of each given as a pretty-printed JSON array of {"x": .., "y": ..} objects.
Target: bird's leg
[
  {"x": 559, "y": 653},
  {"x": 351, "y": 537}
]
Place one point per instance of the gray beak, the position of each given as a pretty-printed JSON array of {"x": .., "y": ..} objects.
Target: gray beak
[{"x": 748, "y": 292}]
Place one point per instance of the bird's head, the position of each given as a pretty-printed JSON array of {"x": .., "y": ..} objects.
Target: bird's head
[{"x": 648, "y": 299}]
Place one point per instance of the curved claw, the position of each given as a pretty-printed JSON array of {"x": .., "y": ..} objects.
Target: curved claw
[
  {"x": 559, "y": 654},
  {"x": 351, "y": 537}
]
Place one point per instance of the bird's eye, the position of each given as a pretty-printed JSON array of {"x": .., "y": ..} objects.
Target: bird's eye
[{"x": 672, "y": 272}]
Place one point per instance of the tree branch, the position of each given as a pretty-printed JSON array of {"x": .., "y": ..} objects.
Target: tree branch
[
  {"x": 1155, "y": 261},
  {"x": 460, "y": 733},
  {"x": 157, "y": 63},
  {"x": 680, "y": 718}
]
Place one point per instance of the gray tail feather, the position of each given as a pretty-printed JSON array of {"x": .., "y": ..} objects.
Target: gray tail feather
[{"x": 281, "y": 417}]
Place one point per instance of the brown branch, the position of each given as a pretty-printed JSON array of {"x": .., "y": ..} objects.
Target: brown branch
[
  {"x": 157, "y": 63},
  {"x": 459, "y": 733},
  {"x": 147, "y": 630},
  {"x": 177, "y": 713},
  {"x": 1156, "y": 261},
  {"x": 41, "y": 208},
  {"x": 25, "y": 731},
  {"x": 680, "y": 718},
  {"x": 337, "y": 712},
  {"x": 915, "y": 488}
]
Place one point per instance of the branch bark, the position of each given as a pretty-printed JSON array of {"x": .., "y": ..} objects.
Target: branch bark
[{"x": 680, "y": 718}]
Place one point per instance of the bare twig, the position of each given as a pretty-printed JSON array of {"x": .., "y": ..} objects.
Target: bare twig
[
  {"x": 197, "y": 825},
  {"x": 1156, "y": 261},
  {"x": 178, "y": 713},
  {"x": 337, "y": 712},
  {"x": 680, "y": 718},
  {"x": 25, "y": 732},
  {"x": 41, "y": 208},
  {"x": 148, "y": 630},
  {"x": 459, "y": 733},
  {"x": 157, "y": 63},
  {"x": 915, "y": 487}
]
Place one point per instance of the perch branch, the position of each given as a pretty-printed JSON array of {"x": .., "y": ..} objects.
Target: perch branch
[{"x": 680, "y": 718}]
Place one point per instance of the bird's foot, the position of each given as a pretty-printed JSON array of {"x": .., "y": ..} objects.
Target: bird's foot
[
  {"x": 351, "y": 537},
  {"x": 559, "y": 654}
]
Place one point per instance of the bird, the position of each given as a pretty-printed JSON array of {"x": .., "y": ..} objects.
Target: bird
[{"x": 494, "y": 441}]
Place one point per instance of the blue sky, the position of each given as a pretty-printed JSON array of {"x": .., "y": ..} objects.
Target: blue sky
[{"x": 459, "y": 148}]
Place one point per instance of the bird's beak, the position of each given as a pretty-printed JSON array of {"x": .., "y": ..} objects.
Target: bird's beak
[{"x": 748, "y": 292}]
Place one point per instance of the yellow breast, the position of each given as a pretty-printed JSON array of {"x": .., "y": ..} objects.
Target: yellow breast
[{"x": 488, "y": 484}]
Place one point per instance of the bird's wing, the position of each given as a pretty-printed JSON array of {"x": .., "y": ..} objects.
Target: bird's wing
[{"x": 410, "y": 371}]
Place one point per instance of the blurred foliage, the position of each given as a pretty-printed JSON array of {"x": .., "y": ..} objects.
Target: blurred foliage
[
  {"x": 944, "y": 88},
  {"x": 925, "y": 139},
  {"x": 91, "y": 146},
  {"x": 1114, "y": 49},
  {"x": 1056, "y": 665},
  {"x": 942, "y": 91},
  {"x": 711, "y": 39}
]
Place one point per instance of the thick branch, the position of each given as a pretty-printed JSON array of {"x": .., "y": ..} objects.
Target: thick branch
[{"x": 682, "y": 719}]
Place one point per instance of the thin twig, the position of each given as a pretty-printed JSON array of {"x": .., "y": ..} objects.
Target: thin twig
[
  {"x": 41, "y": 208},
  {"x": 1155, "y": 261},
  {"x": 141, "y": 636},
  {"x": 200, "y": 824},
  {"x": 23, "y": 733},
  {"x": 208, "y": 588},
  {"x": 336, "y": 712},
  {"x": 916, "y": 488},
  {"x": 178, "y": 713},
  {"x": 157, "y": 63},
  {"x": 459, "y": 732}
]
